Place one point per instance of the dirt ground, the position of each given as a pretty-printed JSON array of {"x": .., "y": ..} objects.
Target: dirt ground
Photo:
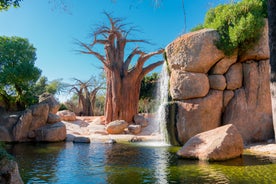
[{"x": 94, "y": 129}]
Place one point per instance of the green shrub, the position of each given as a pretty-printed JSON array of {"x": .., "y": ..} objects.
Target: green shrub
[{"x": 238, "y": 24}]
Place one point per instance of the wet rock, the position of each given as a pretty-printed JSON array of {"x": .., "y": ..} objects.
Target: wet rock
[{"x": 81, "y": 140}]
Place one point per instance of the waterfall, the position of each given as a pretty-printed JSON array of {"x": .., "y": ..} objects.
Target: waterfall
[{"x": 162, "y": 96}]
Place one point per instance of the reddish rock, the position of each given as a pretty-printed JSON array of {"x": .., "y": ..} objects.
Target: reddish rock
[
  {"x": 51, "y": 101},
  {"x": 9, "y": 172},
  {"x": 250, "y": 108},
  {"x": 234, "y": 77},
  {"x": 187, "y": 85},
  {"x": 116, "y": 127},
  {"x": 141, "y": 120},
  {"x": 66, "y": 115},
  {"x": 51, "y": 133},
  {"x": 217, "y": 82},
  {"x": 260, "y": 51},
  {"x": 39, "y": 115},
  {"x": 135, "y": 129},
  {"x": 198, "y": 115},
  {"x": 223, "y": 65},
  {"x": 215, "y": 145},
  {"x": 21, "y": 129},
  {"x": 53, "y": 118},
  {"x": 194, "y": 52},
  {"x": 227, "y": 96}
]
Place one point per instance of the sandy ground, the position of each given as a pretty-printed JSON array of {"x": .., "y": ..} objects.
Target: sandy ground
[{"x": 94, "y": 128}]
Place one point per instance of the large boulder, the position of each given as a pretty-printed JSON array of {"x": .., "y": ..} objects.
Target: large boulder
[
  {"x": 51, "y": 133},
  {"x": 198, "y": 115},
  {"x": 250, "y": 108},
  {"x": 260, "y": 51},
  {"x": 116, "y": 127},
  {"x": 215, "y": 145},
  {"x": 9, "y": 173},
  {"x": 194, "y": 52},
  {"x": 51, "y": 101},
  {"x": 183, "y": 85},
  {"x": 67, "y": 115},
  {"x": 21, "y": 129},
  {"x": 40, "y": 115}
]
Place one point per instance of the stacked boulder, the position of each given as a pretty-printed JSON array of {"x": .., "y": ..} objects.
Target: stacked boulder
[
  {"x": 209, "y": 89},
  {"x": 37, "y": 123}
]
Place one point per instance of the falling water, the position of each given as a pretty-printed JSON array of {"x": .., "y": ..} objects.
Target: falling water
[
  {"x": 163, "y": 99},
  {"x": 273, "y": 101}
]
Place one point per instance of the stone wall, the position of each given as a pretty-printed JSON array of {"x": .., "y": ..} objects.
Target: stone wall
[{"x": 210, "y": 89}]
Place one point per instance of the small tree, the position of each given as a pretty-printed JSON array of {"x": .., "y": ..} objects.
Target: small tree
[
  {"x": 86, "y": 92},
  {"x": 122, "y": 81}
]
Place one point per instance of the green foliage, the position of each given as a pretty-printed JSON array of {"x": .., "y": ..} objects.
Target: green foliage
[
  {"x": 63, "y": 107},
  {"x": 147, "y": 102},
  {"x": 198, "y": 27},
  {"x": 17, "y": 70},
  {"x": 3, "y": 152},
  {"x": 239, "y": 24},
  {"x": 149, "y": 86},
  {"x": 6, "y": 4}
]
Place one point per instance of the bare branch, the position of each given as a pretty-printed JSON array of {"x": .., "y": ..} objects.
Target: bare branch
[
  {"x": 129, "y": 58},
  {"x": 149, "y": 68},
  {"x": 143, "y": 58},
  {"x": 96, "y": 54}
]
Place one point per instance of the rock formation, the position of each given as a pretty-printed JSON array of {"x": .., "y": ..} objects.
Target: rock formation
[
  {"x": 209, "y": 89},
  {"x": 37, "y": 123},
  {"x": 221, "y": 143},
  {"x": 9, "y": 173}
]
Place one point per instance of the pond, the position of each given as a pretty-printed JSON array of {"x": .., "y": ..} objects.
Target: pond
[{"x": 131, "y": 163}]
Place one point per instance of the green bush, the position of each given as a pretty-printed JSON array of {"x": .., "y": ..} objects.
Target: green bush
[{"x": 238, "y": 24}]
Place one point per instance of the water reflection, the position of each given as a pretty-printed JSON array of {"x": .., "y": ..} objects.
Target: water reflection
[{"x": 131, "y": 163}]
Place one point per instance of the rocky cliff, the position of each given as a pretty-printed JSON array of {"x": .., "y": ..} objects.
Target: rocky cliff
[{"x": 209, "y": 89}]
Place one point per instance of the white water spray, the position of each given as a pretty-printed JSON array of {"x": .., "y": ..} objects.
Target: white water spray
[{"x": 163, "y": 99}]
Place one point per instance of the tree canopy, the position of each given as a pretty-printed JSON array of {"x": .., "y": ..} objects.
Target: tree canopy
[
  {"x": 239, "y": 24},
  {"x": 6, "y": 4},
  {"x": 17, "y": 70}
]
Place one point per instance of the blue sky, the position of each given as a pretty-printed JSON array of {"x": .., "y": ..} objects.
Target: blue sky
[{"x": 52, "y": 31}]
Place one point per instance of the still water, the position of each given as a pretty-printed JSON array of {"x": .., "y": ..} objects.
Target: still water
[{"x": 71, "y": 163}]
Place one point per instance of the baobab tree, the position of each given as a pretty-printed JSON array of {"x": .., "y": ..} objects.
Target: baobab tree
[
  {"x": 86, "y": 92},
  {"x": 122, "y": 81}
]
